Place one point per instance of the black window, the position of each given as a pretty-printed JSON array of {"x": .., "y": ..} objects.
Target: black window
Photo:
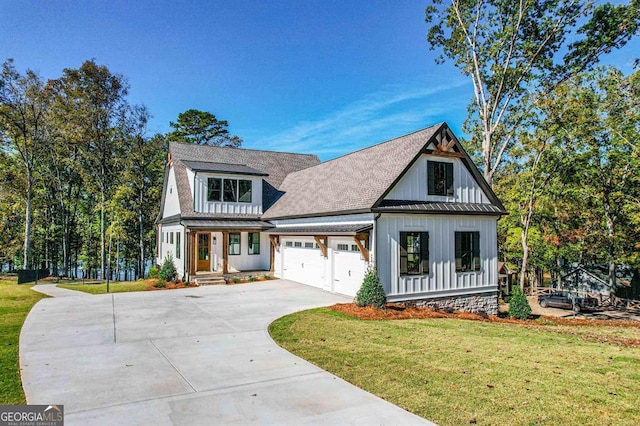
[
  {"x": 414, "y": 253},
  {"x": 244, "y": 191},
  {"x": 171, "y": 237},
  {"x": 440, "y": 178},
  {"x": 234, "y": 243},
  {"x": 231, "y": 190},
  {"x": 254, "y": 243},
  {"x": 467, "y": 251},
  {"x": 214, "y": 189},
  {"x": 177, "y": 245}
]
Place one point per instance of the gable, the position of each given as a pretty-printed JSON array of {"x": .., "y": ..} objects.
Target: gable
[
  {"x": 413, "y": 185},
  {"x": 171, "y": 205}
]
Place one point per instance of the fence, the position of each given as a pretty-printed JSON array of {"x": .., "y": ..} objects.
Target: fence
[{"x": 30, "y": 275}]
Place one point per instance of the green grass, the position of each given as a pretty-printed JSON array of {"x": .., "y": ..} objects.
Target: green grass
[
  {"x": 455, "y": 372},
  {"x": 15, "y": 303},
  {"x": 114, "y": 287}
]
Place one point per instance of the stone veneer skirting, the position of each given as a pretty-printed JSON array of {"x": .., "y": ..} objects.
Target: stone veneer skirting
[{"x": 478, "y": 303}]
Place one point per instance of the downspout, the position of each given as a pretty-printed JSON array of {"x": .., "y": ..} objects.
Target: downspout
[{"x": 374, "y": 240}]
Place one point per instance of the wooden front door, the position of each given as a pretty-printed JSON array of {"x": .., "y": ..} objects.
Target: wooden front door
[{"x": 204, "y": 252}]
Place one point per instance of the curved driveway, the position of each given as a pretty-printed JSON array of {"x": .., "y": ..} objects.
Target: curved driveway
[{"x": 192, "y": 356}]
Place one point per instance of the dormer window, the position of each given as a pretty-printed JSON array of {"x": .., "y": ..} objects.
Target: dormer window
[
  {"x": 229, "y": 190},
  {"x": 440, "y": 176},
  {"x": 244, "y": 191},
  {"x": 214, "y": 189}
]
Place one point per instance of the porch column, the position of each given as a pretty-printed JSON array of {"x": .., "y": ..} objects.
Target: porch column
[
  {"x": 193, "y": 254},
  {"x": 225, "y": 252}
]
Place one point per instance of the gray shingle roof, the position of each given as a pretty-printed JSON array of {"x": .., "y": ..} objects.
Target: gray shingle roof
[
  {"x": 276, "y": 164},
  {"x": 349, "y": 183}
]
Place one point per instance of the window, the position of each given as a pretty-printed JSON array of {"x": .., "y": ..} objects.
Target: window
[
  {"x": 214, "y": 189},
  {"x": 467, "y": 251},
  {"x": 289, "y": 244},
  {"x": 244, "y": 191},
  {"x": 254, "y": 243},
  {"x": 171, "y": 237},
  {"x": 414, "y": 253},
  {"x": 343, "y": 247},
  {"x": 234, "y": 243},
  {"x": 177, "y": 245},
  {"x": 354, "y": 247},
  {"x": 440, "y": 176},
  {"x": 308, "y": 245},
  {"x": 297, "y": 244},
  {"x": 231, "y": 190}
]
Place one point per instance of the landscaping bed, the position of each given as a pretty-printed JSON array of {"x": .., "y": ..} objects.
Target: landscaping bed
[
  {"x": 150, "y": 284},
  {"x": 460, "y": 368}
]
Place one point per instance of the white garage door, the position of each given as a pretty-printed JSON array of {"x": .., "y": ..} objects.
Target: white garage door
[
  {"x": 303, "y": 265},
  {"x": 348, "y": 268}
]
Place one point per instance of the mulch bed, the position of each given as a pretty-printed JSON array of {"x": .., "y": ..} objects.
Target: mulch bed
[
  {"x": 395, "y": 311},
  {"x": 398, "y": 312}
]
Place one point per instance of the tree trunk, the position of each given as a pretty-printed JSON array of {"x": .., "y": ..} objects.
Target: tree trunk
[
  {"x": 28, "y": 219},
  {"x": 141, "y": 237},
  {"x": 610, "y": 245}
]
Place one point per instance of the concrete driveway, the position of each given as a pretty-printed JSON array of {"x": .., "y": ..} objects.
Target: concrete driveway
[{"x": 192, "y": 356}]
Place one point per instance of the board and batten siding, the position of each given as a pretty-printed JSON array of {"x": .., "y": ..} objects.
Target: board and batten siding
[
  {"x": 442, "y": 279},
  {"x": 167, "y": 248},
  {"x": 413, "y": 185},
  {"x": 204, "y": 206},
  {"x": 171, "y": 202}
]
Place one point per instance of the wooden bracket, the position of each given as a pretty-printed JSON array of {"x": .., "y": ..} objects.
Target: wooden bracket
[
  {"x": 275, "y": 241},
  {"x": 322, "y": 242},
  {"x": 169, "y": 160},
  {"x": 363, "y": 249}
]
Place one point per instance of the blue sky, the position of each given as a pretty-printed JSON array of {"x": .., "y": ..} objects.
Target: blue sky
[{"x": 325, "y": 77}]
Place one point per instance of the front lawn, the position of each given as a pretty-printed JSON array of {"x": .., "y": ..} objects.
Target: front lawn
[
  {"x": 15, "y": 303},
  {"x": 456, "y": 372},
  {"x": 114, "y": 287}
]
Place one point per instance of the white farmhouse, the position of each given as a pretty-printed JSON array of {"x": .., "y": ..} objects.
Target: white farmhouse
[{"x": 416, "y": 207}]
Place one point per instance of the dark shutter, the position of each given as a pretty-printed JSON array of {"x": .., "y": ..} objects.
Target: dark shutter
[
  {"x": 431, "y": 177},
  {"x": 449, "y": 178},
  {"x": 458, "y": 251},
  {"x": 476, "y": 250},
  {"x": 403, "y": 253},
  {"x": 424, "y": 252}
]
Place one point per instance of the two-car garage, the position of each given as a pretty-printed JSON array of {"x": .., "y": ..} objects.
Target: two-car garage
[{"x": 334, "y": 263}]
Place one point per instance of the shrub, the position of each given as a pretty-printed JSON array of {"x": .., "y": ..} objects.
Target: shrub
[
  {"x": 235, "y": 280},
  {"x": 160, "y": 284},
  {"x": 267, "y": 277},
  {"x": 518, "y": 305},
  {"x": 371, "y": 293},
  {"x": 252, "y": 279},
  {"x": 168, "y": 270},
  {"x": 153, "y": 272}
]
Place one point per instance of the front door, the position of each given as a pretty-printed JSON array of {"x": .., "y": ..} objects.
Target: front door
[{"x": 204, "y": 264}]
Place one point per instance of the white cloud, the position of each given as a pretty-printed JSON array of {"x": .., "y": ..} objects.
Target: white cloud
[{"x": 374, "y": 118}]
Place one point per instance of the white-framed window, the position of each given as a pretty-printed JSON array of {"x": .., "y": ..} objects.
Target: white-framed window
[
  {"x": 254, "y": 243},
  {"x": 343, "y": 247},
  {"x": 297, "y": 244},
  {"x": 178, "y": 245},
  {"x": 288, "y": 244},
  {"x": 171, "y": 237},
  {"x": 234, "y": 243},
  {"x": 308, "y": 245},
  {"x": 354, "y": 247}
]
